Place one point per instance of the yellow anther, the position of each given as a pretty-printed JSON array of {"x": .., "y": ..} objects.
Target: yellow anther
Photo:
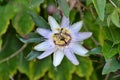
[
  {"x": 62, "y": 38},
  {"x": 67, "y": 38},
  {"x": 60, "y": 42},
  {"x": 58, "y": 29},
  {"x": 65, "y": 31}
]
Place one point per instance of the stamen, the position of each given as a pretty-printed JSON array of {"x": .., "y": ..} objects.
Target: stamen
[{"x": 62, "y": 38}]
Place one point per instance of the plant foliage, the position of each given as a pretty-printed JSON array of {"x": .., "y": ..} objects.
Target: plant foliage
[{"x": 19, "y": 20}]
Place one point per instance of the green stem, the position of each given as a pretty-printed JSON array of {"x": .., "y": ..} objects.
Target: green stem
[
  {"x": 107, "y": 76},
  {"x": 113, "y": 3},
  {"x": 14, "y": 54}
]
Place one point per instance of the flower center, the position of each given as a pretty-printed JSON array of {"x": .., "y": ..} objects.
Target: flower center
[{"x": 62, "y": 38}]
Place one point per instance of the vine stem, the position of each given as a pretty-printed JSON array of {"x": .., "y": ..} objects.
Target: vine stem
[
  {"x": 81, "y": 15},
  {"x": 113, "y": 3},
  {"x": 14, "y": 54},
  {"x": 107, "y": 76},
  {"x": 93, "y": 39}
]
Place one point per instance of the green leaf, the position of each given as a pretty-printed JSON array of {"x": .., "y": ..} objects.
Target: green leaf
[
  {"x": 116, "y": 2},
  {"x": 100, "y": 8},
  {"x": 66, "y": 69},
  {"x": 111, "y": 65},
  {"x": 1, "y": 0},
  {"x": 1, "y": 43},
  {"x": 96, "y": 50},
  {"x": 101, "y": 36},
  {"x": 109, "y": 8},
  {"x": 115, "y": 18},
  {"x": 119, "y": 48},
  {"x": 94, "y": 76},
  {"x": 91, "y": 24},
  {"x": 62, "y": 72},
  {"x": 5, "y": 17},
  {"x": 32, "y": 55},
  {"x": 57, "y": 17},
  {"x": 88, "y": 2},
  {"x": 73, "y": 12},
  {"x": 25, "y": 5},
  {"x": 31, "y": 38},
  {"x": 36, "y": 3},
  {"x": 39, "y": 21},
  {"x": 35, "y": 69},
  {"x": 64, "y": 6},
  {"x": 84, "y": 69},
  {"x": 109, "y": 50},
  {"x": 9, "y": 68},
  {"x": 108, "y": 21},
  {"x": 4, "y": 21},
  {"x": 23, "y": 23},
  {"x": 112, "y": 34}
]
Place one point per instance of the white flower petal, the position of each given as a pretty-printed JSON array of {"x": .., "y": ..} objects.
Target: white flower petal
[
  {"x": 57, "y": 57},
  {"x": 43, "y": 32},
  {"x": 42, "y": 46},
  {"x": 65, "y": 22},
  {"x": 78, "y": 49},
  {"x": 76, "y": 26},
  {"x": 46, "y": 53},
  {"x": 53, "y": 23},
  {"x": 70, "y": 55},
  {"x": 83, "y": 35}
]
